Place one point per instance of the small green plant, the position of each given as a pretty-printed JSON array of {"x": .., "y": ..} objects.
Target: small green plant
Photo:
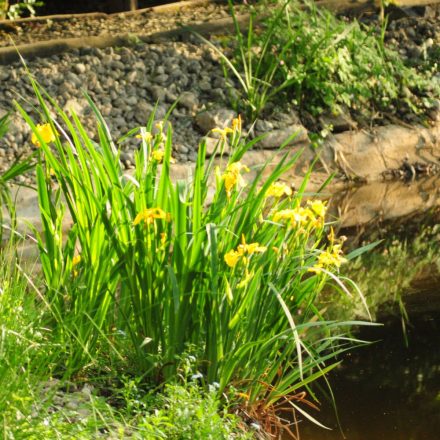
[
  {"x": 253, "y": 66},
  {"x": 307, "y": 57},
  {"x": 16, "y": 10}
]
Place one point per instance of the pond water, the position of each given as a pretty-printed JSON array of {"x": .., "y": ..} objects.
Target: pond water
[
  {"x": 390, "y": 390},
  {"x": 387, "y": 390}
]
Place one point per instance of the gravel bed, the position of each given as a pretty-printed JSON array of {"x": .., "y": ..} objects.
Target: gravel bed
[
  {"x": 145, "y": 23},
  {"x": 126, "y": 82}
]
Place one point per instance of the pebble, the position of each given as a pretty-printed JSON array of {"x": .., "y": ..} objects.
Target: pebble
[
  {"x": 276, "y": 138},
  {"x": 79, "y": 68},
  {"x": 215, "y": 118}
]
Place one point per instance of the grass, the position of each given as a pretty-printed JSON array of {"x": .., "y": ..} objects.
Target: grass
[{"x": 307, "y": 58}]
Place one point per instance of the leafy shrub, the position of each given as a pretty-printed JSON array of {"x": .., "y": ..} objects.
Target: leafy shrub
[{"x": 18, "y": 9}]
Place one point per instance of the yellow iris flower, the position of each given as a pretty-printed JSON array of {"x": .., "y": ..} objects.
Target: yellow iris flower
[
  {"x": 318, "y": 207},
  {"x": 146, "y": 137},
  {"x": 75, "y": 261},
  {"x": 236, "y": 123},
  {"x": 223, "y": 132},
  {"x": 158, "y": 156},
  {"x": 278, "y": 189},
  {"x": 46, "y": 133},
  {"x": 232, "y": 176},
  {"x": 149, "y": 215},
  {"x": 233, "y": 256},
  {"x": 297, "y": 216},
  {"x": 330, "y": 258}
]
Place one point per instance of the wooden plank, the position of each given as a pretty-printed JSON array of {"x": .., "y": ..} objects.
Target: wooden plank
[{"x": 333, "y": 5}]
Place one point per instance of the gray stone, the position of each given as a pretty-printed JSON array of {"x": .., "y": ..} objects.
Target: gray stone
[
  {"x": 204, "y": 86},
  {"x": 193, "y": 67},
  {"x": 218, "y": 94},
  {"x": 142, "y": 112},
  {"x": 117, "y": 65},
  {"x": 276, "y": 138},
  {"x": 131, "y": 100},
  {"x": 340, "y": 122},
  {"x": 131, "y": 77},
  {"x": 158, "y": 93},
  {"x": 189, "y": 100},
  {"x": 287, "y": 118},
  {"x": 170, "y": 96},
  {"x": 4, "y": 73},
  {"x": 106, "y": 110},
  {"x": 160, "y": 70},
  {"x": 161, "y": 79},
  {"x": 181, "y": 148},
  {"x": 216, "y": 118},
  {"x": 74, "y": 79},
  {"x": 263, "y": 126}
]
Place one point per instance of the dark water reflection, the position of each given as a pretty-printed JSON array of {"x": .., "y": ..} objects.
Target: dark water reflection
[
  {"x": 390, "y": 390},
  {"x": 387, "y": 390}
]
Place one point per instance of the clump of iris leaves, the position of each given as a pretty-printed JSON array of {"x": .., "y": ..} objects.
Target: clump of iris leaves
[{"x": 135, "y": 323}]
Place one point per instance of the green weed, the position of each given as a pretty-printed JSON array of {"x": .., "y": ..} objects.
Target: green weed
[{"x": 307, "y": 57}]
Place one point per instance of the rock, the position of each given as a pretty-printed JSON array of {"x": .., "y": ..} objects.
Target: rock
[
  {"x": 205, "y": 86},
  {"x": 181, "y": 148},
  {"x": 158, "y": 93},
  {"x": 126, "y": 158},
  {"x": 189, "y": 100},
  {"x": 434, "y": 112},
  {"x": 79, "y": 68},
  {"x": 131, "y": 100},
  {"x": 74, "y": 79},
  {"x": 106, "y": 110},
  {"x": 72, "y": 405},
  {"x": 131, "y": 77},
  {"x": 216, "y": 118},
  {"x": 4, "y": 73},
  {"x": 263, "y": 126},
  {"x": 340, "y": 122},
  {"x": 117, "y": 65},
  {"x": 415, "y": 52},
  {"x": 161, "y": 79},
  {"x": 170, "y": 97},
  {"x": 160, "y": 70},
  {"x": 213, "y": 146},
  {"x": 287, "y": 118},
  {"x": 276, "y": 138},
  {"x": 142, "y": 112},
  {"x": 76, "y": 106},
  {"x": 193, "y": 67}
]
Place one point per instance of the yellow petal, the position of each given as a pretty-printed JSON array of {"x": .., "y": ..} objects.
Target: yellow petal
[{"x": 232, "y": 257}]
